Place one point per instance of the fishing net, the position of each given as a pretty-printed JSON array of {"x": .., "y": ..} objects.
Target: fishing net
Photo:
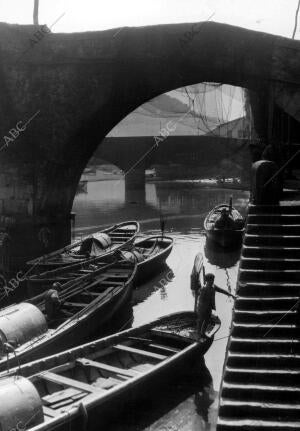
[{"x": 207, "y": 108}]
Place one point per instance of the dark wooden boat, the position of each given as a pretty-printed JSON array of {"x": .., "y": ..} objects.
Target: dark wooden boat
[
  {"x": 88, "y": 299},
  {"x": 151, "y": 254},
  {"x": 75, "y": 387},
  {"x": 225, "y": 237},
  {"x": 101, "y": 242}
]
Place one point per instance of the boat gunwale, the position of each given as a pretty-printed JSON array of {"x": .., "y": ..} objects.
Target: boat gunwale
[{"x": 214, "y": 229}]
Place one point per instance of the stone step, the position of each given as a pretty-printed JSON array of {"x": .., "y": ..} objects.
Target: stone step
[
  {"x": 283, "y": 208},
  {"x": 252, "y": 424},
  {"x": 262, "y": 393},
  {"x": 241, "y": 410},
  {"x": 268, "y": 289},
  {"x": 260, "y": 360},
  {"x": 269, "y": 263},
  {"x": 269, "y": 275},
  {"x": 286, "y": 219},
  {"x": 264, "y": 345},
  {"x": 247, "y": 330},
  {"x": 258, "y": 317},
  {"x": 272, "y": 229},
  {"x": 262, "y": 376},
  {"x": 274, "y": 252},
  {"x": 266, "y": 303},
  {"x": 272, "y": 240}
]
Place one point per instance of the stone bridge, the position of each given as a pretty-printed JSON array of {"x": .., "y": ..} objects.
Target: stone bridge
[
  {"x": 62, "y": 93},
  {"x": 135, "y": 154}
]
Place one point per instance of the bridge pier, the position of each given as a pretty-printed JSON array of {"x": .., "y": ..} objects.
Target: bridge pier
[
  {"x": 135, "y": 186},
  {"x": 24, "y": 238}
]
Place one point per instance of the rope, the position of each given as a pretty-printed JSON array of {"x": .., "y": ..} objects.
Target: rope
[{"x": 261, "y": 324}]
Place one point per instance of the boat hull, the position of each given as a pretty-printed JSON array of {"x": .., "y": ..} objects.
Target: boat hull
[
  {"x": 225, "y": 238},
  {"x": 153, "y": 263},
  {"x": 82, "y": 331},
  {"x": 141, "y": 393},
  {"x": 102, "y": 406},
  {"x": 229, "y": 237},
  {"x": 149, "y": 268}
]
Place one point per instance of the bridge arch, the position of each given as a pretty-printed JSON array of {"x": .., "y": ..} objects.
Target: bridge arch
[{"x": 75, "y": 88}]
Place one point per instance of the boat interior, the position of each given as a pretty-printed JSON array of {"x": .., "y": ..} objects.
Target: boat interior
[
  {"x": 83, "y": 288},
  {"x": 216, "y": 212},
  {"x": 93, "y": 369},
  {"x": 153, "y": 245},
  {"x": 90, "y": 246}
]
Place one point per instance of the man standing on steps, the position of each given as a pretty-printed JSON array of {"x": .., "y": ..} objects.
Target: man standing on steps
[{"x": 206, "y": 303}]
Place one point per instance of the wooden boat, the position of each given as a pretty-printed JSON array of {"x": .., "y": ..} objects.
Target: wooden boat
[
  {"x": 225, "y": 237},
  {"x": 101, "y": 242},
  {"x": 74, "y": 388},
  {"x": 151, "y": 254},
  {"x": 86, "y": 300}
]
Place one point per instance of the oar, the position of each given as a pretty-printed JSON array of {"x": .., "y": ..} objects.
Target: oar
[
  {"x": 196, "y": 276},
  {"x": 72, "y": 284}
]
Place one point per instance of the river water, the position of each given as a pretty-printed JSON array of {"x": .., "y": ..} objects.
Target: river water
[{"x": 193, "y": 406}]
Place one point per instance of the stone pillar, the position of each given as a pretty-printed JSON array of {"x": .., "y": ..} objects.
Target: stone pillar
[
  {"x": 266, "y": 187},
  {"x": 135, "y": 186}
]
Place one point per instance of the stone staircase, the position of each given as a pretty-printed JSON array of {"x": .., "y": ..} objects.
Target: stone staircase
[{"x": 261, "y": 380}]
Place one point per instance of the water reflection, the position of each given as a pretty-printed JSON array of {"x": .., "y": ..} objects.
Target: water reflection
[
  {"x": 158, "y": 282},
  {"x": 219, "y": 257}
]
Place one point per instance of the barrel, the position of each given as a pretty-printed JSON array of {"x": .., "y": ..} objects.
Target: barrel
[
  {"x": 93, "y": 246},
  {"x": 20, "y": 323},
  {"x": 20, "y": 404},
  {"x": 104, "y": 240},
  {"x": 133, "y": 256}
]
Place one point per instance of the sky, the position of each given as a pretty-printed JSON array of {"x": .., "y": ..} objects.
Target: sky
[{"x": 271, "y": 16}]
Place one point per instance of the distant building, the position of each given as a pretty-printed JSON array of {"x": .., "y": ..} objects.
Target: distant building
[{"x": 237, "y": 129}]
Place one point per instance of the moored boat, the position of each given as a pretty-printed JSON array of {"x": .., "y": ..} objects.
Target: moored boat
[
  {"x": 75, "y": 387},
  {"x": 97, "y": 244},
  {"x": 68, "y": 313},
  {"x": 229, "y": 236},
  {"x": 151, "y": 254}
]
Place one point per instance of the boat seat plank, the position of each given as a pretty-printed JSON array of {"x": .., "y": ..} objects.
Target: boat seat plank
[
  {"x": 140, "y": 352},
  {"x": 150, "y": 343},
  {"x": 66, "y": 381},
  {"x": 75, "y": 304},
  {"x": 106, "y": 383},
  {"x": 68, "y": 401},
  {"x": 142, "y": 368},
  {"x": 50, "y": 412},
  {"x": 162, "y": 347},
  {"x": 61, "y": 395},
  {"x": 106, "y": 367},
  {"x": 88, "y": 293}
]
